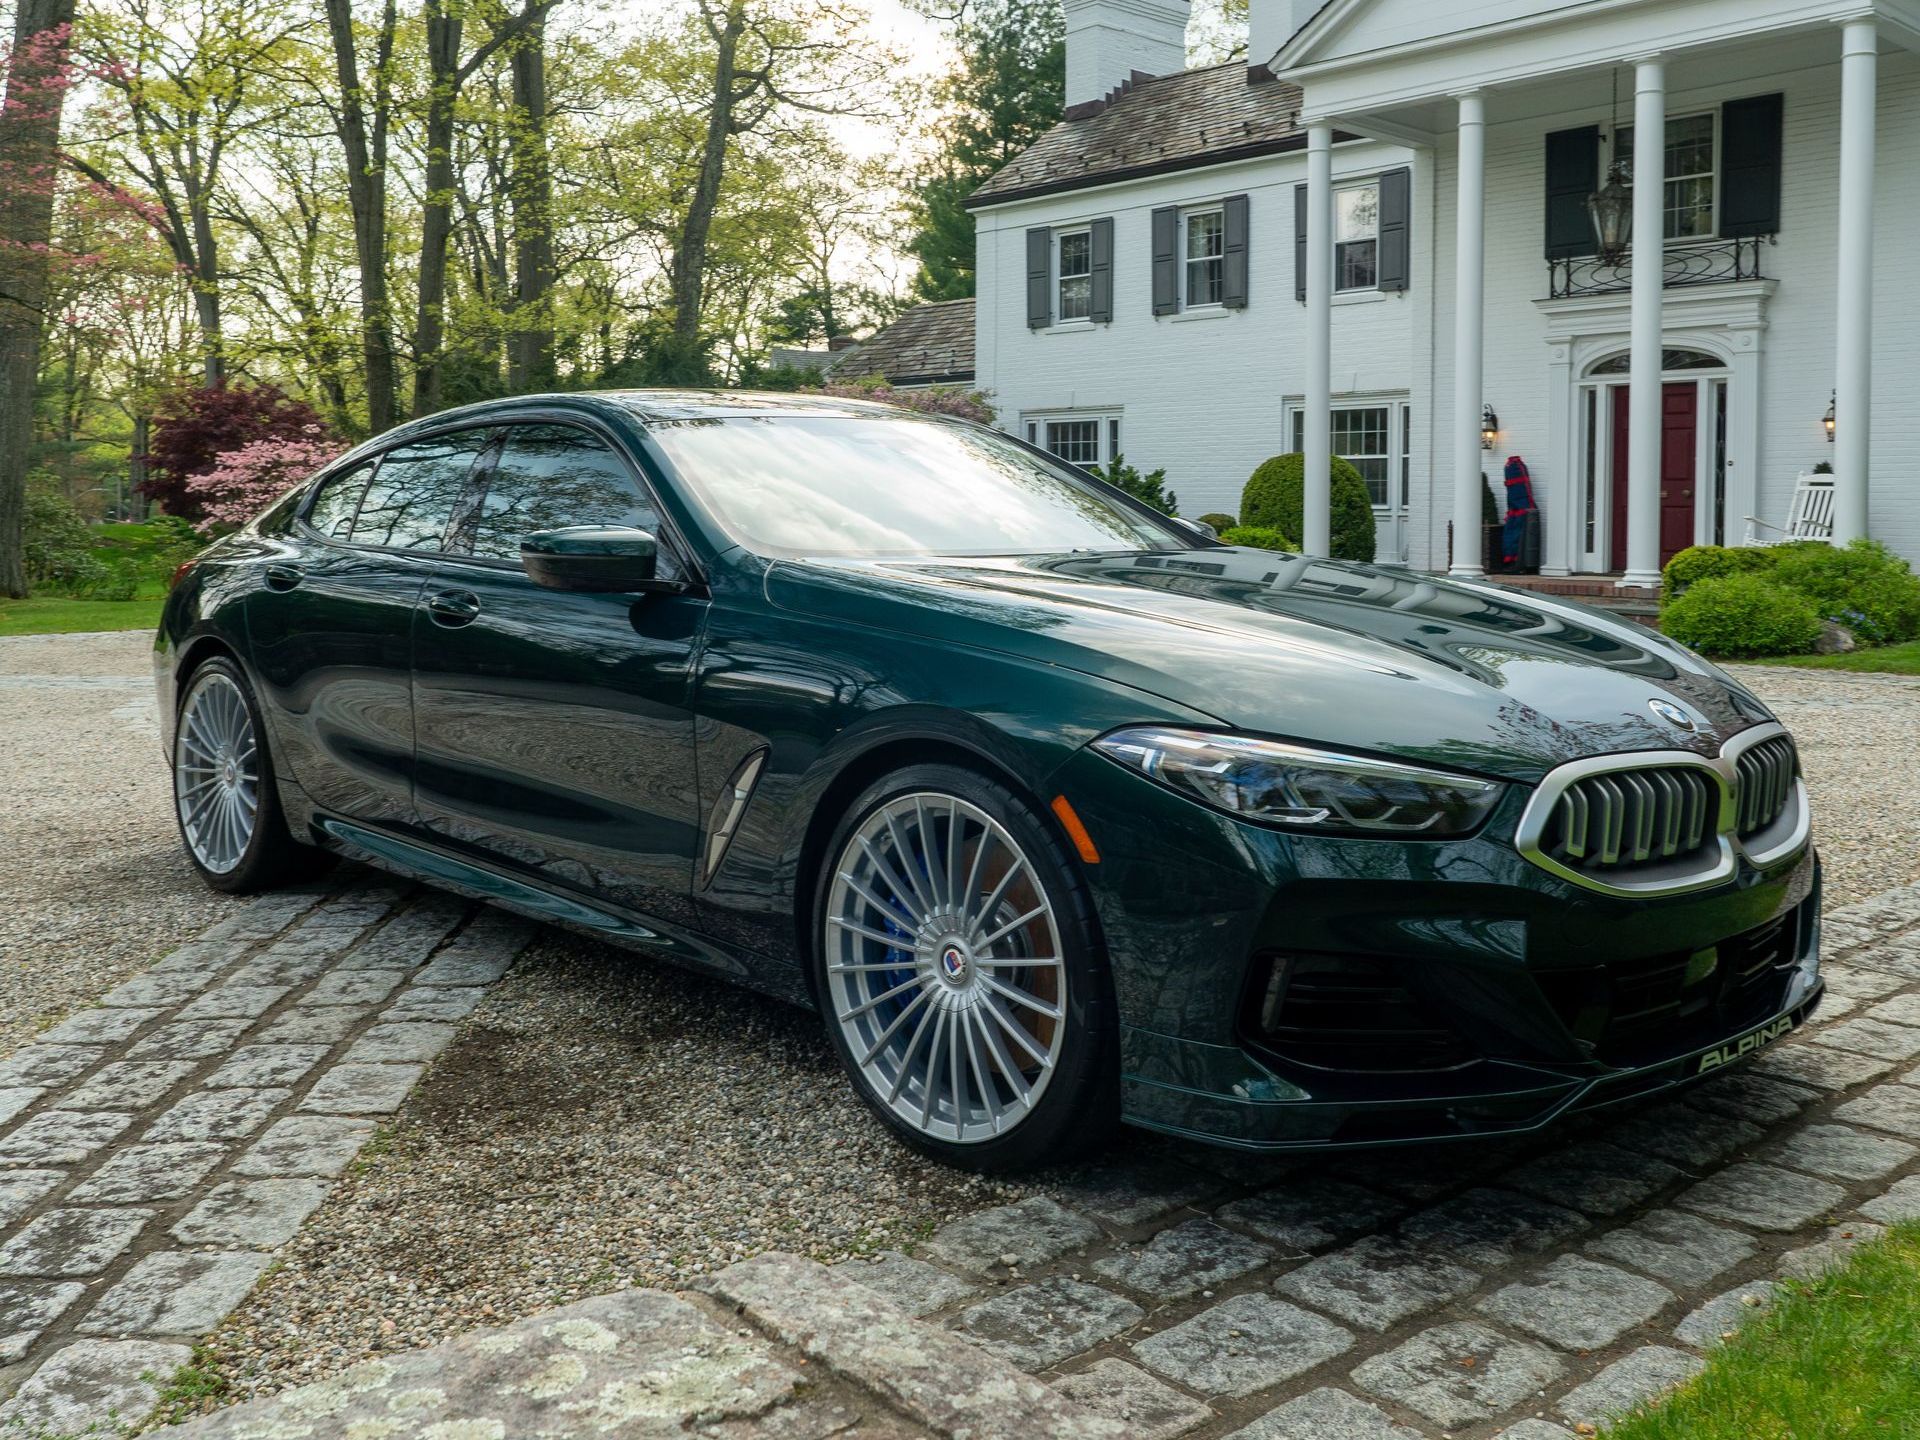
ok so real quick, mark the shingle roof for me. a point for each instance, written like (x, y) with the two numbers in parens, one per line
(1152, 125)
(928, 344)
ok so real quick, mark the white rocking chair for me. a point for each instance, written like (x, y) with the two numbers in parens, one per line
(1809, 518)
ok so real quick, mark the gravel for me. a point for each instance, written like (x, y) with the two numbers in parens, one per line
(94, 886)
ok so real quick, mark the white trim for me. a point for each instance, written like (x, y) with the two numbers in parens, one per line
(1034, 423)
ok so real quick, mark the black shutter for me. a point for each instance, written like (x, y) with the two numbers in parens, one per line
(1300, 243)
(1234, 212)
(1573, 174)
(1100, 308)
(1166, 261)
(1396, 227)
(1750, 166)
(1039, 278)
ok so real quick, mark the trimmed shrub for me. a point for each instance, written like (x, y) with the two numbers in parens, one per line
(1274, 500)
(1864, 586)
(1260, 537)
(1149, 489)
(1219, 522)
(1742, 615)
(1708, 562)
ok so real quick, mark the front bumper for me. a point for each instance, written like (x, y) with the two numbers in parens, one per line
(1495, 948)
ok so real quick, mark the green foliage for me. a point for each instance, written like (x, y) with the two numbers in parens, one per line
(1864, 586)
(57, 538)
(57, 615)
(1149, 489)
(1260, 537)
(1005, 95)
(1742, 615)
(1492, 512)
(1705, 562)
(1218, 521)
(1876, 660)
(1274, 499)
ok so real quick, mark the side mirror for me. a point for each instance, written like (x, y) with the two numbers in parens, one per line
(602, 558)
(1202, 526)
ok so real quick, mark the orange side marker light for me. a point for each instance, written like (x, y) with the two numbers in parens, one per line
(1076, 832)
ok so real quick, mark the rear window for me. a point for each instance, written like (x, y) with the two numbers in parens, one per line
(408, 501)
(338, 500)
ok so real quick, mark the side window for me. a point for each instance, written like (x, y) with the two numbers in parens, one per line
(414, 493)
(336, 501)
(551, 476)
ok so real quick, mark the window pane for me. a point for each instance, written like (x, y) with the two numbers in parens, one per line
(1690, 145)
(1355, 265)
(1356, 213)
(1689, 174)
(1076, 297)
(338, 498)
(1690, 207)
(1360, 437)
(1206, 235)
(415, 490)
(905, 485)
(1076, 254)
(1075, 441)
(551, 476)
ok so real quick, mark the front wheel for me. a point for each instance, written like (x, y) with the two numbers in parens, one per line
(961, 972)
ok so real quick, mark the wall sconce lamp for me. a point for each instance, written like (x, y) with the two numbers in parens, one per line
(1827, 419)
(1490, 427)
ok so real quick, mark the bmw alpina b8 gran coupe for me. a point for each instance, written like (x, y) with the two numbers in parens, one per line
(1058, 810)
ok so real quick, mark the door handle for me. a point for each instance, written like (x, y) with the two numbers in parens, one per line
(453, 608)
(283, 577)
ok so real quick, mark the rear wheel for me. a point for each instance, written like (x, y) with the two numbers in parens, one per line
(223, 787)
(961, 974)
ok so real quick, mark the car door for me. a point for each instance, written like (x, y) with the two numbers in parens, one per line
(331, 627)
(555, 730)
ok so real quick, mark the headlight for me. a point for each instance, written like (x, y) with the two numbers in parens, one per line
(1304, 789)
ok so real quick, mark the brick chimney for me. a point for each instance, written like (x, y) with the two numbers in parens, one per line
(1108, 40)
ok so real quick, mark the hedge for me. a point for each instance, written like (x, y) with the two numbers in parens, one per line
(1274, 499)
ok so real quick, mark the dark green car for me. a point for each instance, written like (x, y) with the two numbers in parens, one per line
(1057, 809)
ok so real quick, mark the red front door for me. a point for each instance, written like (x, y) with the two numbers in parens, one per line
(1679, 420)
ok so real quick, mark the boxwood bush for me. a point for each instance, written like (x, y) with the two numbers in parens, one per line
(1218, 521)
(1260, 537)
(1274, 499)
(1706, 562)
(1863, 585)
(1742, 615)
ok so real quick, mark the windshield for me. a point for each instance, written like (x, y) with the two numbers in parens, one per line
(881, 485)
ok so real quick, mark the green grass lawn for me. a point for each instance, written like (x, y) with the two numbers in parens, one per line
(54, 615)
(1835, 1360)
(1883, 660)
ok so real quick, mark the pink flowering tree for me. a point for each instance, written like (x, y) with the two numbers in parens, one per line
(245, 481)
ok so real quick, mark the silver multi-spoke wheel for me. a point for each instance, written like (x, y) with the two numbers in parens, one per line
(945, 967)
(216, 772)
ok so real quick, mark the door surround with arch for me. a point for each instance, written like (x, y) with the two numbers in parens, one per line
(1713, 337)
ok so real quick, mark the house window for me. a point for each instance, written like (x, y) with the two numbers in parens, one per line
(1356, 237)
(1690, 174)
(1079, 437)
(1074, 266)
(1206, 256)
(1363, 436)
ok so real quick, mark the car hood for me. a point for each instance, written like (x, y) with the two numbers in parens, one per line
(1466, 674)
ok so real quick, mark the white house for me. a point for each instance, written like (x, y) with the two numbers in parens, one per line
(1784, 136)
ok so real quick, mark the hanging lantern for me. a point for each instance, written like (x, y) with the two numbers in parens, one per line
(1828, 419)
(1612, 210)
(1489, 427)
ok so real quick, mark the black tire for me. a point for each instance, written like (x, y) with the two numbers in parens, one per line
(271, 856)
(1077, 1110)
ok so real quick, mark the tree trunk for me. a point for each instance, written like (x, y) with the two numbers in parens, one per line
(530, 363)
(365, 147)
(137, 468)
(36, 86)
(436, 212)
(690, 255)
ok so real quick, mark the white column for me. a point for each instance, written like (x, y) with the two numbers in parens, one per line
(1469, 327)
(1853, 367)
(1317, 441)
(1649, 278)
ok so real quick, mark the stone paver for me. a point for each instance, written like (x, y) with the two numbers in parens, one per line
(1686, 1136)
(1671, 1245)
(1035, 1326)
(1893, 1108)
(126, 1085)
(1326, 1414)
(100, 1026)
(1027, 1233)
(1593, 1176)
(418, 1002)
(235, 1001)
(310, 1027)
(1900, 1202)
(27, 1308)
(1536, 1430)
(1130, 1191)
(1458, 1374)
(1833, 1249)
(21, 1190)
(319, 1145)
(266, 1066)
(418, 1042)
(1376, 1282)
(197, 1041)
(1128, 1394)
(257, 1213)
(1185, 1260)
(1313, 1214)
(1756, 1097)
(48, 1064)
(92, 1387)
(16, 1098)
(136, 1174)
(217, 1114)
(913, 1285)
(1819, 1066)
(158, 987)
(1839, 1152)
(1649, 1371)
(1241, 1345)
(1713, 1323)
(362, 1089)
(1491, 1228)
(1873, 1037)
(354, 987)
(1903, 1010)
(1763, 1196)
(175, 1293)
(71, 1243)
(1577, 1304)
(61, 1137)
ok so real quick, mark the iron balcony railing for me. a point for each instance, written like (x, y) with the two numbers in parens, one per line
(1715, 262)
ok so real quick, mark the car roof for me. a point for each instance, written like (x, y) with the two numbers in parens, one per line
(656, 406)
